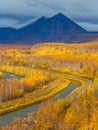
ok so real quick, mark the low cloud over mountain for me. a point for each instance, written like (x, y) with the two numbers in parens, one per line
(20, 11)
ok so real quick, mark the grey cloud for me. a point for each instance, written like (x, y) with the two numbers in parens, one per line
(89, 26)
(8, 22)
(47, 7)
(81, 11)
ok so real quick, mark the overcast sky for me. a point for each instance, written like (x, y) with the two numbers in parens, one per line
(16, 13)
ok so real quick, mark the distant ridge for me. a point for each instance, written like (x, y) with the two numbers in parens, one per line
(58, 28)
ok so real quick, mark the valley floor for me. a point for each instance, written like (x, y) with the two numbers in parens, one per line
(43, 71)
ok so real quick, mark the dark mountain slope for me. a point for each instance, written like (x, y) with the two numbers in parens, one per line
(58, 28)
(5, 33)
(50, 28)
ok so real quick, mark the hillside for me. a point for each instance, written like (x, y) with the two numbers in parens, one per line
(58, 28)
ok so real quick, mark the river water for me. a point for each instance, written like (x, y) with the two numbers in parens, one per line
(7, 118)
(10, 76)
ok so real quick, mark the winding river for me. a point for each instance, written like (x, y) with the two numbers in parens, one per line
(7, 118)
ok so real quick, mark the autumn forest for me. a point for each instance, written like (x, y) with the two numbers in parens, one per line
(55, 84)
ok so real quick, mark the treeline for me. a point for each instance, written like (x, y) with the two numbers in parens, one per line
(14, 88)
(81, 58)
(81, 114)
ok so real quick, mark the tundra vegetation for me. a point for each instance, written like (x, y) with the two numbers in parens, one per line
(37, 65)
